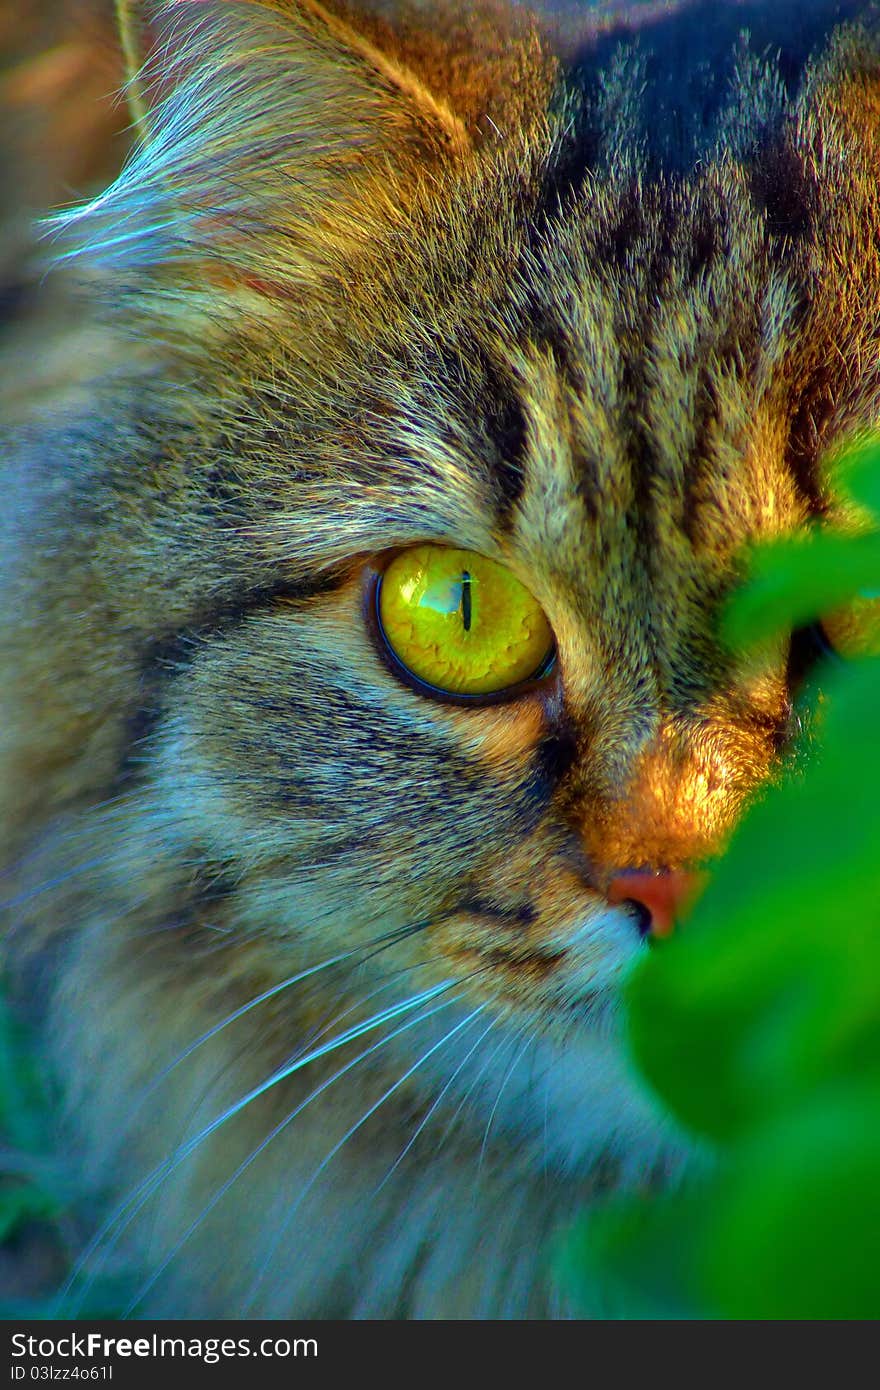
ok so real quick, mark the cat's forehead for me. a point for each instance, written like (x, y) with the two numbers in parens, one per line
(649, 367)
(603, 401)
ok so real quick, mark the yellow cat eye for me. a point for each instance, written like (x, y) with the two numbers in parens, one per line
(461, 623)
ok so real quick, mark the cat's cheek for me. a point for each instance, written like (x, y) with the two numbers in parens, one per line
(500, 738)
(291, 741)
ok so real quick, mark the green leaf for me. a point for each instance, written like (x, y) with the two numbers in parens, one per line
(774, 984)
(635, 1258)
(795, 1231)
(792, 582)
(857, 472)
(759, 1023)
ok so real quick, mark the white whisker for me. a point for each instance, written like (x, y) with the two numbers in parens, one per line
(438, 1101)
(504, 1042)
(362, 953)
(508, 1074)
(266, 1141)
(134, 1202)
(285, 1225)
(235, 1015)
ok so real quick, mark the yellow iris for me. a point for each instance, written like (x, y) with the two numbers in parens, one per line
(460, 622)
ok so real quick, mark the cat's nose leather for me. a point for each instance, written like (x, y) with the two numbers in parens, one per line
(663, 895)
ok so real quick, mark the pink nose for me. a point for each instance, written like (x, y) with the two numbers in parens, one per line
(663, 896)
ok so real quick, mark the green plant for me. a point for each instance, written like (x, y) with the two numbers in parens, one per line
(759, 1024)
(32, 1202)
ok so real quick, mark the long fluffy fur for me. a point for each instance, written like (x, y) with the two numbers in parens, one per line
(379, 288)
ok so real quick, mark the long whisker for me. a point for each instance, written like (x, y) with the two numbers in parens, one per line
(267, 1140)
(344, 1140)
(314, 1036)
(126, 1121)
(438, 1101)
(235, 1016)
(382, 944)
(503, 1043)
(377, 945)
(134, 1202)
(333, 1021)
(509, 1073)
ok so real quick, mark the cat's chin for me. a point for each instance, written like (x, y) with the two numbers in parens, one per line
(563, 1092)
(566, 1104)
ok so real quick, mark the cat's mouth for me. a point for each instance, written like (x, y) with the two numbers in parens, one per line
(561, 953)
(552, 966)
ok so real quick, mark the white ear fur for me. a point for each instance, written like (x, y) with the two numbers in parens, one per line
(139, 23)
(278, 145)
(259, 123)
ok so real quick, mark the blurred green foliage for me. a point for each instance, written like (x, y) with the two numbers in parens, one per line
(38, 1239)
(32, 1201)
(759, 1024)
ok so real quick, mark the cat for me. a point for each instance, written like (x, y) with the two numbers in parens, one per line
(364, 714)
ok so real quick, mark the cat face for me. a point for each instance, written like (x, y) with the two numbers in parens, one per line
(374, 315)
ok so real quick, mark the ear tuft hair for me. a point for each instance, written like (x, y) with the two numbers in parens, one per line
(277, 138)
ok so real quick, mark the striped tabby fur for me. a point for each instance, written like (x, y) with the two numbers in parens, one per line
(326, 968)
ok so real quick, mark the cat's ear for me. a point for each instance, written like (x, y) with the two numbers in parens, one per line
(412, 63)
(274, 134)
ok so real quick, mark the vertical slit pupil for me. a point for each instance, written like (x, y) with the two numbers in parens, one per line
(466, 600)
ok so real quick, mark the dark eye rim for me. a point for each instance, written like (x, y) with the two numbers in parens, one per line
(546, 675)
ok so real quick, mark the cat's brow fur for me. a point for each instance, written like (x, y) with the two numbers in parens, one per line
(379, 287)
